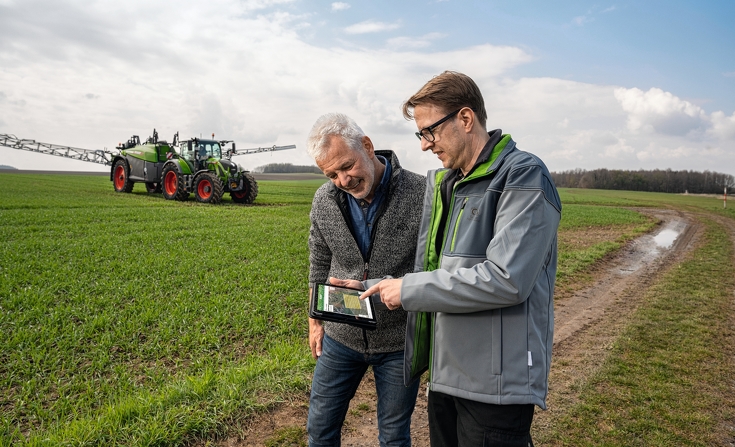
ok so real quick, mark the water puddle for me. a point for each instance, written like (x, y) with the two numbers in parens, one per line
(648, 248)
(666, 238)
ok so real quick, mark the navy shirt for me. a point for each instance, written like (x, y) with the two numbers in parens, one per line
(363, 213)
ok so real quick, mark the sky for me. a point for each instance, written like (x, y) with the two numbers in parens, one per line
(583, 85)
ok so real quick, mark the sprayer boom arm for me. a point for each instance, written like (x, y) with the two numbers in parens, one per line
(257, 150)
(103, 157)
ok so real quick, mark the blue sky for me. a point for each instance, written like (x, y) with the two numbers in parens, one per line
(625, 85)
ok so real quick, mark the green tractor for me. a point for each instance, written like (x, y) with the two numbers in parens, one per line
(200, 166)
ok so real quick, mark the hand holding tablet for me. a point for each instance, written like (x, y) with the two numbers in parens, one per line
(342, 305)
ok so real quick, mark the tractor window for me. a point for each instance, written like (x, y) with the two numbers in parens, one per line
(209, 149)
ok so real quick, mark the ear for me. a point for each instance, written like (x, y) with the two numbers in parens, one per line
(467, 118)
(367, 144)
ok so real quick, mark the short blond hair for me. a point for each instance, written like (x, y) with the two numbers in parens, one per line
(449, 91)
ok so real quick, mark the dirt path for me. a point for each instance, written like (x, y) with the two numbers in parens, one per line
(586, 324)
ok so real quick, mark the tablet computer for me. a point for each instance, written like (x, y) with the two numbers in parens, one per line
(342, 305)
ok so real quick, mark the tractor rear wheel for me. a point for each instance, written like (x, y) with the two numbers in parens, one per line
(153, 187)
(249, 191)
(173, 187)
(120, 179)
(208, 188)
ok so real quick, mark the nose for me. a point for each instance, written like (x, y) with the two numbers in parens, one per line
(344, 179)
(426, 145)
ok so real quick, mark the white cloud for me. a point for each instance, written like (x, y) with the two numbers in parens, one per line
(723, 127)
(244, 72)
(656, 153)
(620, 149)
(413, 43)
(340, 6)
(581, 20)
(371, 26)
(589, 17)
(660, 111)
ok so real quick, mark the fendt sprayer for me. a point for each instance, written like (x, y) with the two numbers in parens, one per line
(199, 166)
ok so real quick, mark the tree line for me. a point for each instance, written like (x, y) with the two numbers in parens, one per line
(286, 168)
(692, 182)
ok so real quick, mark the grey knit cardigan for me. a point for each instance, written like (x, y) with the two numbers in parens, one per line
(334, 252)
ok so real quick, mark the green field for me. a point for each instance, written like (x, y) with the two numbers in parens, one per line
(131, 320)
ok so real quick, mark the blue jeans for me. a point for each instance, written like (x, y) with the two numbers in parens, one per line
(338, 373)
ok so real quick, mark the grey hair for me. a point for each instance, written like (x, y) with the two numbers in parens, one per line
(333, 124)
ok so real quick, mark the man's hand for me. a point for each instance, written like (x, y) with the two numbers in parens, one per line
(349, 283)
(389, 290)
(316, 335)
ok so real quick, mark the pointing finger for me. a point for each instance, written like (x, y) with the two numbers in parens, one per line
(371, 291)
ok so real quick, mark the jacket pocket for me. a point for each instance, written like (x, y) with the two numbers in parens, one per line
(417, 355)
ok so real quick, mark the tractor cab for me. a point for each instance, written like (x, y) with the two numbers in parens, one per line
(197, 152)
(209, 149)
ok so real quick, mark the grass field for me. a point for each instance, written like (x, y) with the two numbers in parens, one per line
(131, 320)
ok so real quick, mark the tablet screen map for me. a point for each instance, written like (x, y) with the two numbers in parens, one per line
(342, 301)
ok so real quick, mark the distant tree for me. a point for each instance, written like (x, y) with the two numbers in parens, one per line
(8, 167)
(706, 182)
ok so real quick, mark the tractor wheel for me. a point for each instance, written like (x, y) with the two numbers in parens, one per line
(153, 187)
(208, 188)
(248, 193)
(120, 179)
(173, 184)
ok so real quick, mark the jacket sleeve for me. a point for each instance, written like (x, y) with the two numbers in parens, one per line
(524, 236)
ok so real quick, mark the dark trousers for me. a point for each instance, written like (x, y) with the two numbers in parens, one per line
(457, 422)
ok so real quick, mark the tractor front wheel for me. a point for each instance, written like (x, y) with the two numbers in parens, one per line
(208, 188)
(248, 192)
(120, 179)
(173, 187)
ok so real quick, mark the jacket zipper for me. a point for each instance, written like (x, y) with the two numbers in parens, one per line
(449, 216)
(364, 277)
(381, 211)
(456, 224)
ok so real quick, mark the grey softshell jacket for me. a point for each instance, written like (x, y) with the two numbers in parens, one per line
(481, 305)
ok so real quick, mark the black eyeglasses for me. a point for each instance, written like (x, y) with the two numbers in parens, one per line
(428, 132)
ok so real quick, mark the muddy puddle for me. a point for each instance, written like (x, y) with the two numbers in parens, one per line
(649, 247)
(633, 264)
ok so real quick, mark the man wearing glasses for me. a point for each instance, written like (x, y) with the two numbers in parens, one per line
(481, 303)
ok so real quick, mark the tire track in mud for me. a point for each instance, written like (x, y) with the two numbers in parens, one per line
(624, 276)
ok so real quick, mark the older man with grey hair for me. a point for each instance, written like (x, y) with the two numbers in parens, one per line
(364, 224)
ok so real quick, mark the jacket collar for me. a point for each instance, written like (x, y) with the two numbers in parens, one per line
(489, 159)
(493, 155)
